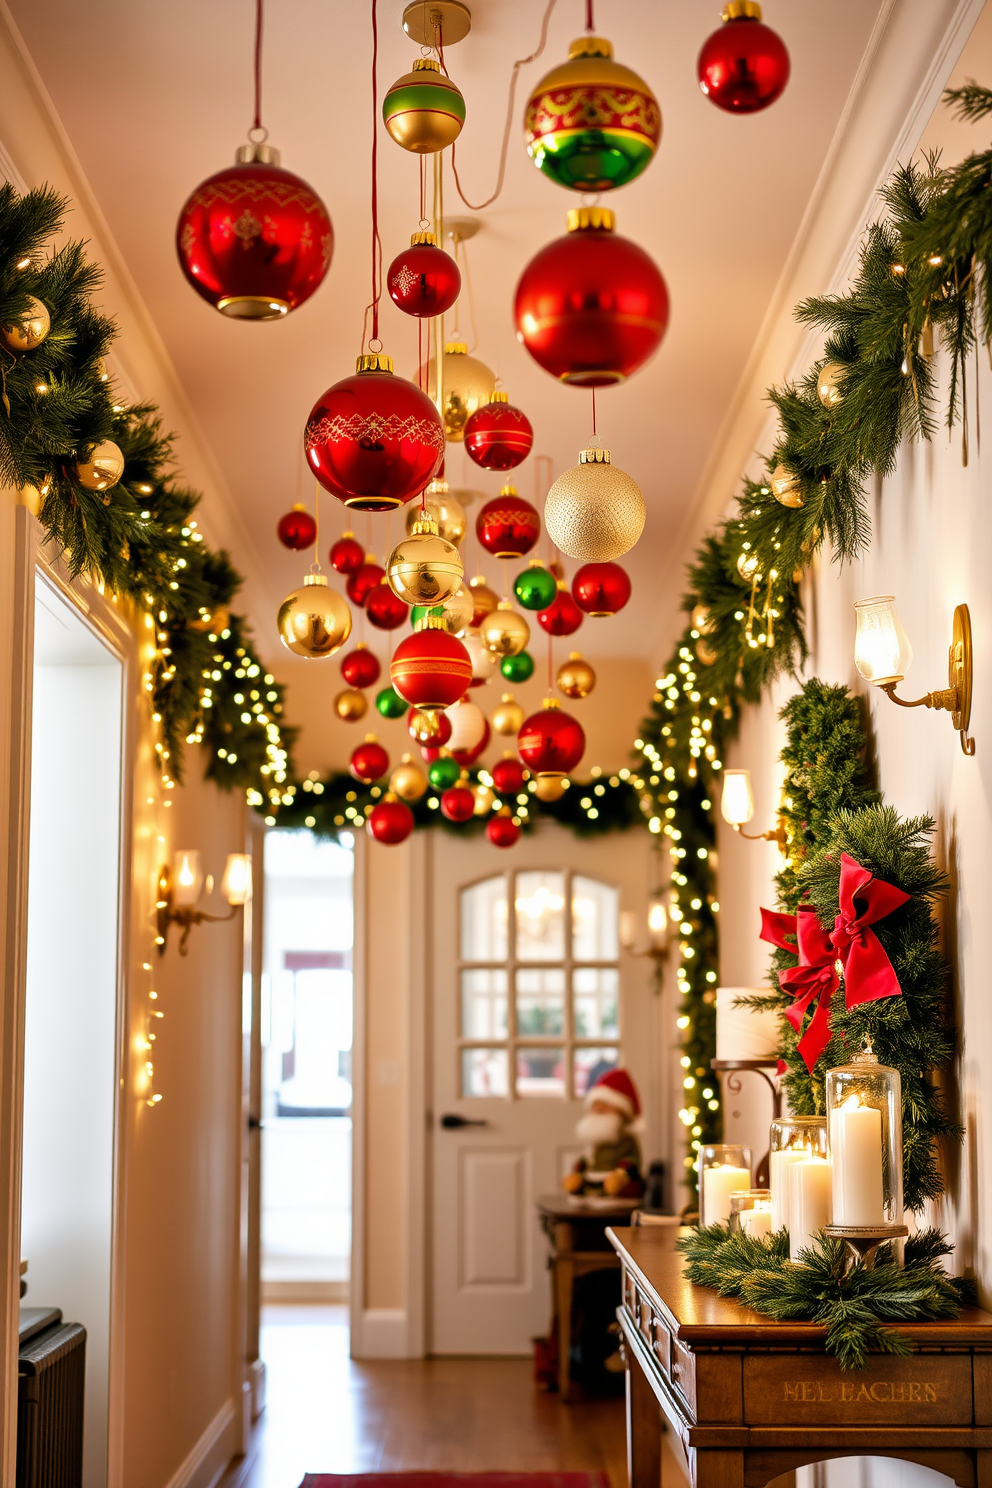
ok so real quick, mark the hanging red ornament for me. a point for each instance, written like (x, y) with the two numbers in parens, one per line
(360, 668)
(591, 307)
(369, 761)
(347, 554)
(390, 821)
(563, 617)
(509, 775)
(423, 280)
(744, 66)
(374, 440)
(498, 436)
(601, 588)
(362, 580)
(254, 240)
(297, 529)
(386, 611)
(551, 742)
(458, 804)
(431, 729)
(508, 526)
(431, 669)
(502, 830)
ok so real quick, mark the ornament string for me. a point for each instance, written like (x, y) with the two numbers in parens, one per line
(590, 23)
(315, 565)
(376, 241)
(595, 431)
(257, 124)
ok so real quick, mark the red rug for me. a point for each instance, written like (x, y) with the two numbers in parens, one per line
(458, 1480)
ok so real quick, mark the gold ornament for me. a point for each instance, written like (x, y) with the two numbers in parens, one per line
(483, 660)
(747, 567)
(829, 384)
(215, 620)
(702, 621)
(424, 725)
(407, 781)
(576, 678)
(706, 653)
(29, 331)
(443, 506)
(351, 705)
(595, 511)
(458, 611)
(314, 621)
(484, 800)
(505, 632)
(509, 716)
(550, 787)
(484, 598)
(467, 385)
(424, 110)
(466, 496)
(102, 468)
(424, 569)
(785, 487)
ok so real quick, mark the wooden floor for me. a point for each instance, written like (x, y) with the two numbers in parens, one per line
(326, 1413)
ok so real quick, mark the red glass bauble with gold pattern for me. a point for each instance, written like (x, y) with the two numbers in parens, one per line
(362, 580)
(390, 821)
(601, 588)
(423, 280)
(509, 775)
(254, 240)
(369, 761)
(502, 830)
(498, 436)
(591, 307)
(458, 804)
(297, 529)
(360, 668)
(374, 440)
(430, 729)
(551, 742)
(431, 668)
(563, 617)
(508, 526)
(347, 554)
(744, 66)
(386, 611)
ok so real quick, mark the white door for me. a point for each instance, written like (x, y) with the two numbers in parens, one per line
(532, 998)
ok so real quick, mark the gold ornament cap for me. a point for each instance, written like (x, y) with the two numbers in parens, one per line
(426, 64)
(425, 524)
(456, 348)
(741, 10)
(374, 361)
(498, 396)
(508, 490)
(430, 622)
(591, 219)
(312, 579)
(590, 46)
(419, 238)
(257, 154)
(594, 456)
(550, 702)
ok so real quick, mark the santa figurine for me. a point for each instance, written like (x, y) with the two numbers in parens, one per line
(611, 1163)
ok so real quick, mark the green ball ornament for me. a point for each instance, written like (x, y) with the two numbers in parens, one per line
(390, 704)
(423, 110)
(520, 667)
(443, 773)
(535, 588)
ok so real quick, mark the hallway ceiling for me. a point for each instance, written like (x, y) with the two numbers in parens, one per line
(156, 97)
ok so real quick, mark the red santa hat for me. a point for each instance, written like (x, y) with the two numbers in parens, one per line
(617, 1089)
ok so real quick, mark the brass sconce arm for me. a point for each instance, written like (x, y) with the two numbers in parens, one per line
(184, 915)
(776, 834)
(956, 697)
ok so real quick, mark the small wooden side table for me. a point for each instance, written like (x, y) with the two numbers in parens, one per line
(751, 1399)
(577, 1231)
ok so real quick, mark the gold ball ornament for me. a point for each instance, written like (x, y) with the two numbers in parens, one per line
(458, 611)
(830, 384)
(702, 621)
(505, 632)
(484, 599)
(467, 385)
(424, 569)
(484, 800)
(102, 468)
(407, 780)
(706, 653)
(423, 110)
(785, 487)
(442, 506)
(550, 787)
(29, 331)
(314, 621)
(595, 511)
(424, 725)
(483, 660)
(508, 718)
(576, 678)
(747, 567)
(351, 705)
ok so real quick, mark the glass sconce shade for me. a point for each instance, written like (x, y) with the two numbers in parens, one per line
(658, 923)
(236, 884)
(882, 653)
(627, 929)
(187, 878)
(737, 802)
(793, 1139)
(864, 1125)
(723, 1170)
(751, 1213)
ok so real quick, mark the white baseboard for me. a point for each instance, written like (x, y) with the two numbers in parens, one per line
(382, 1334)
(209, 1458)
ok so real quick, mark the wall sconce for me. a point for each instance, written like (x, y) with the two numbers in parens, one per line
(737, 806)
(658, 931)
(179, 892)
(883, 655)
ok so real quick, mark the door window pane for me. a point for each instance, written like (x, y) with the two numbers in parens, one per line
(540, 1001)
(540, 906)
(484, 920)
(590, 1064)
(595, 909)
(596, 1001)
(541, 1072)
(485, 1072)
(484, 1003)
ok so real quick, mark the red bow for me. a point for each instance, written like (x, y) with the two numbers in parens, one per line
(868, 972)
(814, 979)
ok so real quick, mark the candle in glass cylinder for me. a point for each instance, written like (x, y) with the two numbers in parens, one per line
(779, 1165)
(718, 1183)
(809, 1200)
(856, 1151)
(757, 1222)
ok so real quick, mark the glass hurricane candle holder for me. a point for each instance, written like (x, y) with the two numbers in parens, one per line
(864, 1124)
(751, 1213)
(724, 1169)
(793, 1138)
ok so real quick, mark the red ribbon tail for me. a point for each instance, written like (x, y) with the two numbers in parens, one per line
(817, 1036)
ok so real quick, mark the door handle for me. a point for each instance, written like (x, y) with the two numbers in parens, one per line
(451, 1121)
(254, 1124)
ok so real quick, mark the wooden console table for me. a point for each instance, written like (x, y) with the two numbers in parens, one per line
(751, 1399)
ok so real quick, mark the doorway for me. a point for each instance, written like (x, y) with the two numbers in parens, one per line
(72, 1038)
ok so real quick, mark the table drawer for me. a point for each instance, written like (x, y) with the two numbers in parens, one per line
(683, 1370)
(661, 1345)
(811, 1390)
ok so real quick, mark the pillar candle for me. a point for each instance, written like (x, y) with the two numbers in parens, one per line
(779, 1165)
(856, 1153)
(718, 1184)
(809, 1201)
(756, 1222)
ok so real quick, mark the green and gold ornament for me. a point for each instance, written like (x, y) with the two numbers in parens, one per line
(592, 123)
(423, 110)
